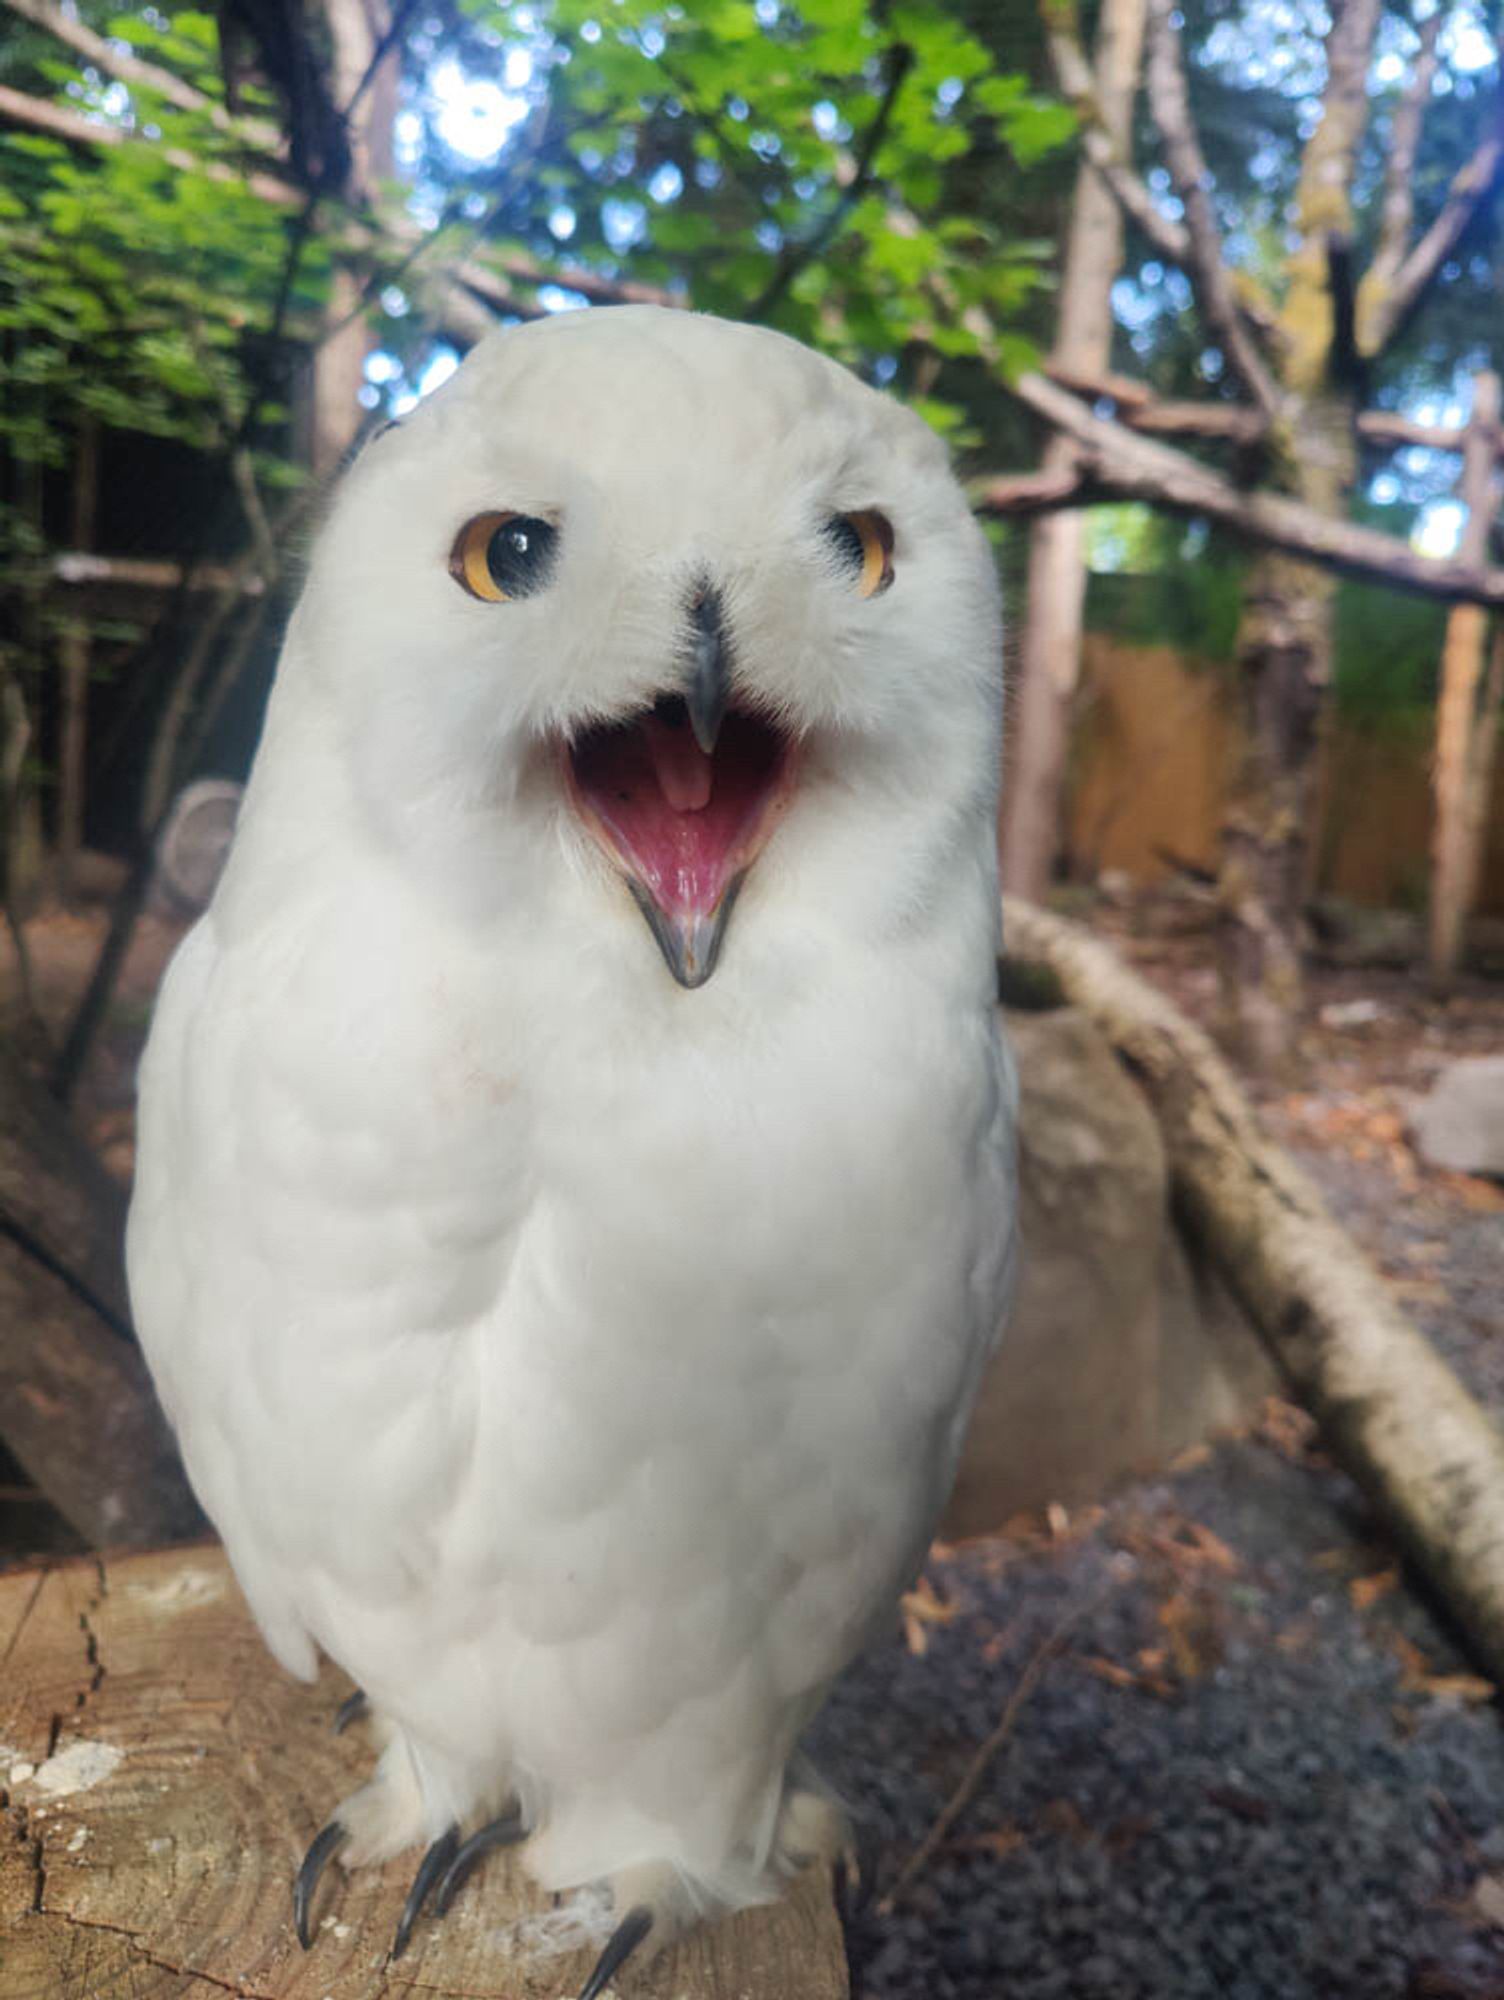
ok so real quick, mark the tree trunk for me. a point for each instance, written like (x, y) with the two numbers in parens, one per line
(356, 28)
(1285, 646)
(1050, 658)
(1430, 1457)
(1466, 725)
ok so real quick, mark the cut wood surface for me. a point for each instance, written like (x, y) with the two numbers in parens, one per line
(1428, 1454)
(161, 1778)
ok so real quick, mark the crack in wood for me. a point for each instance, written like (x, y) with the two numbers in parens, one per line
(142, 1950)
(27, 1609)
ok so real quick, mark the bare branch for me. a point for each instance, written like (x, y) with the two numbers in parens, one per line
(146, 573)
(1170, 102)
(1473, 183)
(118, 61)
(1398, 212)
(1115, 464)
(897, 62)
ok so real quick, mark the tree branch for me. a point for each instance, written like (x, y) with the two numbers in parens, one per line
(1170, 102)
(1114, 464)
(1398, 212)
(897, 62)
(256, 134)
(1389, 312)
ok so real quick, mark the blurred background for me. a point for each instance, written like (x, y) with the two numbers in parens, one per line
(1206, 300)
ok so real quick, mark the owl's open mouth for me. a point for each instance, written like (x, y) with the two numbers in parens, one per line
(682, 822)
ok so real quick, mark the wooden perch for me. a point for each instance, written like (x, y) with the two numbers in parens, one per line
(162, 1778)
(1430, 1457)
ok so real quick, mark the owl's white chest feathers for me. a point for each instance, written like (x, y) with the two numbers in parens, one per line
(585, 1385)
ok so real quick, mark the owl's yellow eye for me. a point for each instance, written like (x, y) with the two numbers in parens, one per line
(863, 543)
(500, 556)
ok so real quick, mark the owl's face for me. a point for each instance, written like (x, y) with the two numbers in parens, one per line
(640, 590)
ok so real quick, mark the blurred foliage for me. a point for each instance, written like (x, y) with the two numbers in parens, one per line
(791, 163)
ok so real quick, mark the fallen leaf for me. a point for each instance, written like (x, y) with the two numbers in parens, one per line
(1365, 1591)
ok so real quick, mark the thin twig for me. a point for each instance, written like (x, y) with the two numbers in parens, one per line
(976, 1770)
(897, 63)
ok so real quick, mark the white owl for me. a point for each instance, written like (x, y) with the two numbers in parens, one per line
(569, 1320)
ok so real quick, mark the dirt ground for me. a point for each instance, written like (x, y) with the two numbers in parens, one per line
(1214, 1739)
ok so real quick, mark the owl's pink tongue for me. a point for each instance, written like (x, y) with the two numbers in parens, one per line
(685, 823)
(683, 769)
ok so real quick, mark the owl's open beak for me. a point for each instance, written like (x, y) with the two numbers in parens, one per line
(683, 797)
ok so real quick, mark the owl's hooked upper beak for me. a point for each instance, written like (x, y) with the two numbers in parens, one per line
(684, 795)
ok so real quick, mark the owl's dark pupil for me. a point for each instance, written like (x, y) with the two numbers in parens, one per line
(520, 555)
(846, 541)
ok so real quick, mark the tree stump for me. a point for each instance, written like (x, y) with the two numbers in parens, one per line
(160, 1778)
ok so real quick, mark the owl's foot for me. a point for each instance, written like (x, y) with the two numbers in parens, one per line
(619, 1947)
(505, 1831)
(383, 1817)
(354, 1708)
(812, 1827)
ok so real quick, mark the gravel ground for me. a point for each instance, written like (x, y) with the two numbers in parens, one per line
(1230, 1781)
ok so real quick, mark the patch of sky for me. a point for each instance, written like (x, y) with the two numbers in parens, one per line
(884, 368)
(769, 235)
(827, 121)
(766, 145)
(949, 94)
(623, 223)
(382, 367)
(437, 368)
(666, 183)
(590, 31)
(1438, 528)
(394, 302)
(765, 13)
(475, 115)
(739, 109)
(707, 173)
(652, 41)
(562, 222)
(1466, 43)
(556, 299)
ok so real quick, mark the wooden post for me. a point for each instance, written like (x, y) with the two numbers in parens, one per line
(1466, 726)
(160, 1779)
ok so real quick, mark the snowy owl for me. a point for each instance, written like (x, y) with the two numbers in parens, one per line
(574, 1199)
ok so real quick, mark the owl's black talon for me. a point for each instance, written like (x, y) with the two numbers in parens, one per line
(621, 1944)
(504, 1831)
(326, 1844)
(354, 1708)
(434, 1863)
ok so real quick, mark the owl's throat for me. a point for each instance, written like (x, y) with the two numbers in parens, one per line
(682, 823)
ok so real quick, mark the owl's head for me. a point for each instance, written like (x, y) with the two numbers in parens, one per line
(651, 591)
